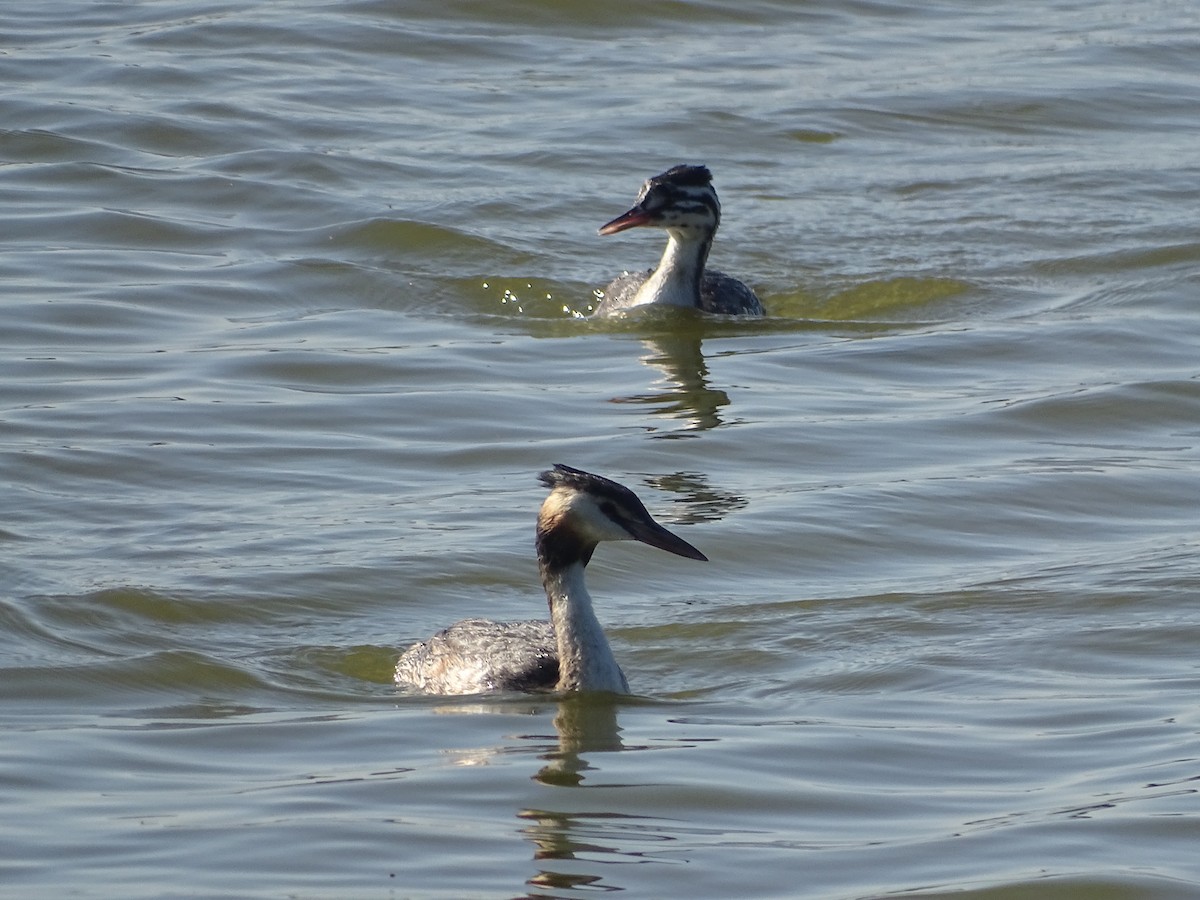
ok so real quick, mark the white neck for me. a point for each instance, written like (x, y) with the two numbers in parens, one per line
(585, 660)
(677, 279)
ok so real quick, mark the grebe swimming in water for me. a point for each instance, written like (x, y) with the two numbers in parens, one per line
(682, 201)
(570, 652)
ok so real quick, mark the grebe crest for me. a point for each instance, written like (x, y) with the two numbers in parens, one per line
(683, 202)
(570, 652)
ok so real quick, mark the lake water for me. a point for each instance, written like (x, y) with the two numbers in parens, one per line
(290, 322)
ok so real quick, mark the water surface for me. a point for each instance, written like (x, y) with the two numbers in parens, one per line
(292, 318)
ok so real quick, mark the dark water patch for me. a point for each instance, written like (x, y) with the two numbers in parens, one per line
(1125, 261)
(897, 298)
(118, 683)
(1042, 885)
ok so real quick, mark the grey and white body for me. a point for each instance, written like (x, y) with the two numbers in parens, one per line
(570, 652)
(683, 202)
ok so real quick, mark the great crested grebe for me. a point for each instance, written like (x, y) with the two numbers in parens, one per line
(570, 652)
(682, 201)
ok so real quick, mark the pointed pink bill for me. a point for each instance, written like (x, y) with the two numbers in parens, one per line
(631, 219)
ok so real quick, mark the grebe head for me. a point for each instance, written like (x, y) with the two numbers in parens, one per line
(584, 509)
(681, 200)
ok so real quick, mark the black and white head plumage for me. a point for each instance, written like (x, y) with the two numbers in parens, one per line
(604, 490)
(584, 509)
(681, 197)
